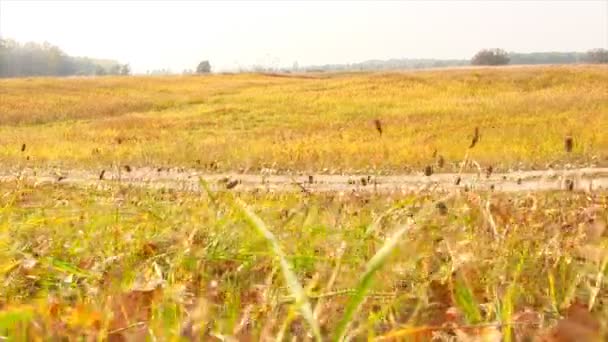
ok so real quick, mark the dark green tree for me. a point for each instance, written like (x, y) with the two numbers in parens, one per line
(491, 57)
(203, 67)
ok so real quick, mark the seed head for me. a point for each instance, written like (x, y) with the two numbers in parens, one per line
(378, 126)
(569, 184)
(440, 161)
(475, 139)
(428, 170)
(442, 208)
(232, 184)
(489, 171)
(568, 143)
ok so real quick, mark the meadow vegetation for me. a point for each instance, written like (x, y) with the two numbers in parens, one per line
(316, 123)
(124, 263)
(104, 260)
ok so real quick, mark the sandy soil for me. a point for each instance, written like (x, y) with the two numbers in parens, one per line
(585, 179)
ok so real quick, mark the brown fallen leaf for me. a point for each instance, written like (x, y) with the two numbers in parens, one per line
(131, 313)
(578, 325)
(526, 324)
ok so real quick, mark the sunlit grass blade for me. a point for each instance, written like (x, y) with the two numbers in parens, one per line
(466, 301)
(507, 304)
(373, 265)
(296, 289)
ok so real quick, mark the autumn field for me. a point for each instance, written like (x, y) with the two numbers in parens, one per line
(315, 123)
(108, 259)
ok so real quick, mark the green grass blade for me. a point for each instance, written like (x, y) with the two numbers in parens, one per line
(296, 289)
(466, 301)
(508, 303)
(373, 265)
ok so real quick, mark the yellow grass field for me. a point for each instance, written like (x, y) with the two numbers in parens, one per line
(103, 259)
(317, 123)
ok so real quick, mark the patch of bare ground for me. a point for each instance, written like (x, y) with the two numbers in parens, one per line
(583, 179)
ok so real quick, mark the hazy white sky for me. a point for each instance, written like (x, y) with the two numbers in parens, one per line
(177, 35)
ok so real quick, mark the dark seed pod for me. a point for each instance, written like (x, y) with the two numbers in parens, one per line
(127, 168)
(103, 172)
(489, 171)
(232, 184)
(60, 178)
(569, 185)
(440, 161)
(310, 179)
(23, 148)
(378, 126)
(458, 179)
(442, 208)
(475, 139)
(363, 181)
(568, 144)
(428, 170)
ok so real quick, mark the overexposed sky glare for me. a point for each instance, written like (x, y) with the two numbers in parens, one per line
(178, 34)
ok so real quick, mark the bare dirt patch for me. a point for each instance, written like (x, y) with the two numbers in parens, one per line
(584, 179)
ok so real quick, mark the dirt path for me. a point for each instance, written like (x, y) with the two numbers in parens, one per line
(586, 179)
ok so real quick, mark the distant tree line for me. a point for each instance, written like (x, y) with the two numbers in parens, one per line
(501, 57)
(483, 57)
(389, 64)
(34, 59)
